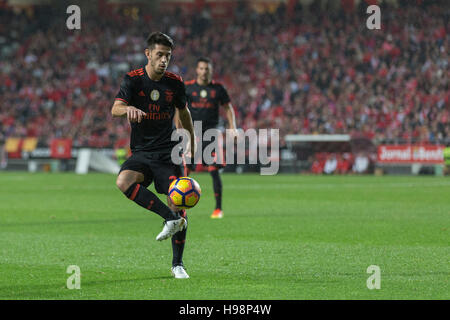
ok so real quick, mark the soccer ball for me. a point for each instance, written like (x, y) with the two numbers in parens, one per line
(184, 192)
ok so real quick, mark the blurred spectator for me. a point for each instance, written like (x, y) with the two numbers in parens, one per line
(344, 163)
(317, 167)
(330, 164)
(3, 153)
(361, 164)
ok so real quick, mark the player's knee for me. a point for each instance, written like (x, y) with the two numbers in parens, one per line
(122, 183)
(213, 171)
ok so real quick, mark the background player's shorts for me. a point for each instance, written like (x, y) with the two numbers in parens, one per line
(156, 167)
(218, 157)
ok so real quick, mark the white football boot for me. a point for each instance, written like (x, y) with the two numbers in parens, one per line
(179, 273)
(171, 227)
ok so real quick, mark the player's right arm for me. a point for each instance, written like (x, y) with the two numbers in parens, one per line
(121, 109)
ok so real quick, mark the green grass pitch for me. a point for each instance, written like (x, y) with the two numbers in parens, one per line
(282, 237)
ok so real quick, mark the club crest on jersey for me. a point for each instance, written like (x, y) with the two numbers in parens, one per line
(213, 93)
(203, 93)
(154, 95)
(169, 95)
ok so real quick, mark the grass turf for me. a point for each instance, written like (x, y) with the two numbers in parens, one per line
(282, 237)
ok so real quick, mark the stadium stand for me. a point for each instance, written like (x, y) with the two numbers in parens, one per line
(306, 70)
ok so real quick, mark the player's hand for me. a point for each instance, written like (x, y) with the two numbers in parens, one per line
(232, 132)
(172, 206)
(134, 114)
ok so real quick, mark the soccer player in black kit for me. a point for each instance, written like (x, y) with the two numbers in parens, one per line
(205, 97)
(150, 97)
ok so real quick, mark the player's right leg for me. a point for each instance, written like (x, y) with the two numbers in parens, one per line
(129, 182)
(134, 183)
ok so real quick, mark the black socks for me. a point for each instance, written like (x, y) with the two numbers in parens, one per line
(148, 200)
(217, 186)
(178, 240)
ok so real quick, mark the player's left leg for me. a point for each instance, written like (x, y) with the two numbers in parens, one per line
(178, 241)
(219, 162)
(217, 187)
(166, 173)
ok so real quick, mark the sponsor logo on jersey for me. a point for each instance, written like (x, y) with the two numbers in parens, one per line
(203, 93)
(169, 95)
(154, 95)
(155, 113)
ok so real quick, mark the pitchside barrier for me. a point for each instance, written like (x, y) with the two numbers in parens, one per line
(65, 158)
(80, 160)
(328, 153)
(411, 159)
(319, 154)
(323, 154)
(85, 160)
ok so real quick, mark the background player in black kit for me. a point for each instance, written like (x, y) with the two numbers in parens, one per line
(205, 97)
(150, 97)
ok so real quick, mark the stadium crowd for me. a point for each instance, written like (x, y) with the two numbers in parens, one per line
(304, 71)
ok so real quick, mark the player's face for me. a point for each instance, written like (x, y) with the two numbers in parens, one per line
(204, 71)
(159, 58)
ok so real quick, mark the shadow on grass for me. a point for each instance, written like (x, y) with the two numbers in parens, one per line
(57, 222)
(89, 289)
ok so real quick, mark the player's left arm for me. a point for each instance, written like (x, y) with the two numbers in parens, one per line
(185, 119)
(231, 118)
(225, 100)
(176, 120)
(183, 116)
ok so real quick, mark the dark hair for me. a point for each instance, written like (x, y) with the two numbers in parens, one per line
(204, 59)
(159, 38)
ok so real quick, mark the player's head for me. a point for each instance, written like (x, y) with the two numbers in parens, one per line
(204, 69)
(159, 51)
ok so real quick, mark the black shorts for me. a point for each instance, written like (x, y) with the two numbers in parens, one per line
(157, 167)
(219, 157)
